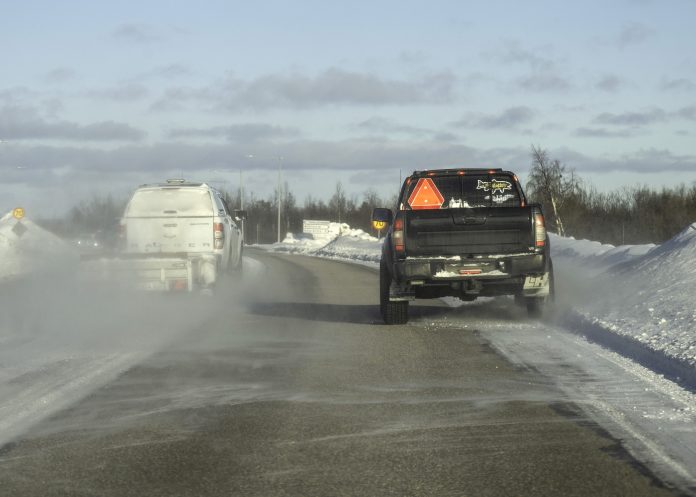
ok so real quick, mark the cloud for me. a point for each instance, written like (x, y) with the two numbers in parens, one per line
(544, 73)
(646, 117)
(388, 126)
(545, 83)
(514, 53)
(602, 133)
(135, 33)
(23, 123)
(610, 83)
(241, 133)
(172, 71)
(59, 75)
(335, 86)
(643, 161)
(688, 113)
(11, 96)
(331, 87)
(679, 84)
(373, 162)
(125, 92)
(634, 34)
(507, 119)
(643, 118)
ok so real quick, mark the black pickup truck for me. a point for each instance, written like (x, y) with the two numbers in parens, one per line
(464, 233)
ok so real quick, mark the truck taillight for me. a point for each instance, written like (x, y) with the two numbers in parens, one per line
(398, 234)
(219, 235)
(539, 229)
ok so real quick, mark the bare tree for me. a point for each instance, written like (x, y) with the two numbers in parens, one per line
(550, 183)
(338, 201)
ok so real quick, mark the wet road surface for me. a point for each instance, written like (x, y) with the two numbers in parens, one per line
(292, 386)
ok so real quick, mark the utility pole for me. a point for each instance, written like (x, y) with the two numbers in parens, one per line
(280, 192)
(241, 203)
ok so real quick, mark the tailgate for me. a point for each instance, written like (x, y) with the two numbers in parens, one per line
(169, 234)
(154, 273)
(438, 232)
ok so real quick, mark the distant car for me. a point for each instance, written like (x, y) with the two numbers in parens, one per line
(178, 224)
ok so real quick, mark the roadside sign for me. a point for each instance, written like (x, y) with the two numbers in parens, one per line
(425, 195)
(378, 225)
(314, 227)
(18, 212)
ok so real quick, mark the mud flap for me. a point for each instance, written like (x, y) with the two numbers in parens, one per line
(400, 294)
(536, 286)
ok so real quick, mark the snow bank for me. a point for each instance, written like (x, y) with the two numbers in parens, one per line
(597, 255)
(343, 242)
(25, 247)
(644, 292)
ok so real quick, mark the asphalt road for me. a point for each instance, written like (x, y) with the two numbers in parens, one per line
(290, 385)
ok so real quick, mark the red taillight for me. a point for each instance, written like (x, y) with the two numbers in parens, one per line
(219, 235)
(539, 229)
(398, 234)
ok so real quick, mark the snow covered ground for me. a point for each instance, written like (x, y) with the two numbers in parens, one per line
(643, 292)
(342, 242)
(25, 247)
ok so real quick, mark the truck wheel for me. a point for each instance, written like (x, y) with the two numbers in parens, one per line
(237, 268)
(536, 307)
(392, 312)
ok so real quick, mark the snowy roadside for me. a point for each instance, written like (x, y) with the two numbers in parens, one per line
(641, 293)
(644, 293)
(342, 243)
(27, 248)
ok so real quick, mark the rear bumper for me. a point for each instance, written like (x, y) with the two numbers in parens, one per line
(170, 272)
(479, 267)
(506, 274)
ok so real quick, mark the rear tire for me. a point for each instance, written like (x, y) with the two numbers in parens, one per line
(237, 269)
(538, 306)
(392, 312)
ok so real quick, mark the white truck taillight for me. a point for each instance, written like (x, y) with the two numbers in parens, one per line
(398, 234)
(539, 228)
(219, 235)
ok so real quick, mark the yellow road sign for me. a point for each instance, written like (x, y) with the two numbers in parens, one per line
(18, 213)
(378, 225)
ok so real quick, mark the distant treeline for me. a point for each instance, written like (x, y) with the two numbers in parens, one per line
(631, 215)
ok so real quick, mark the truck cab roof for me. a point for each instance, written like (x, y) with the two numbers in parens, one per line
(461, 170)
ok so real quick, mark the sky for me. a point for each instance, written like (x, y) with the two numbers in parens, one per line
(99, 97)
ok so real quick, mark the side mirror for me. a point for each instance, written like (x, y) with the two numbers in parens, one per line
(240, 214)
(382, 215)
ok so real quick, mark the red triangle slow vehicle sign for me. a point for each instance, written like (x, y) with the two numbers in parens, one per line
(425, 195)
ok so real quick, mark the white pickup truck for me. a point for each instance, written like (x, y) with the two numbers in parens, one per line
(176, 236)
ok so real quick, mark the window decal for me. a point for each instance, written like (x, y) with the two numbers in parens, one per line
(496, 185)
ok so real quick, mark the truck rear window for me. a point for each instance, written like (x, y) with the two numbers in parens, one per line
(462, 192)
(170, 202)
